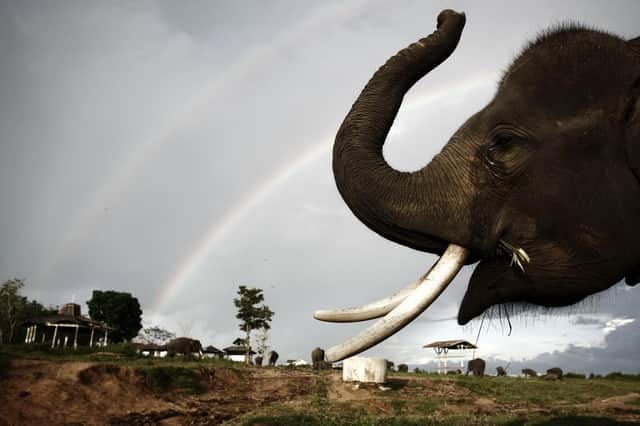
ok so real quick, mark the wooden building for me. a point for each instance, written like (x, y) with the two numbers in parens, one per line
(67, 328)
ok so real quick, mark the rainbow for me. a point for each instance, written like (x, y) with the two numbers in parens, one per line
(179, 118)
(219, 228)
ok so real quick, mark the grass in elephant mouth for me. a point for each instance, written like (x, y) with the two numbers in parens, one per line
(519, 257)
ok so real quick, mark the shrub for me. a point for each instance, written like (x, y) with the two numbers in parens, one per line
(616, 375)
(575, 376)
(165, 378)
(129, 350)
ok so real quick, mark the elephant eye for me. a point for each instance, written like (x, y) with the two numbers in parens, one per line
(507, 151)
(500, 144)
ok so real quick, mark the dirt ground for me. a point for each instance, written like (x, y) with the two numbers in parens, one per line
(80, 393)
(83, 393)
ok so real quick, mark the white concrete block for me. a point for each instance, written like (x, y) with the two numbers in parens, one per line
(366, 370)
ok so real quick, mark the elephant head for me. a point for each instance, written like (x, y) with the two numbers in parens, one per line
(541, 187)
(196, 347)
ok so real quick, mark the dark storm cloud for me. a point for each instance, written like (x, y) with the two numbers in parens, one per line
(618, 353)
(582, 320)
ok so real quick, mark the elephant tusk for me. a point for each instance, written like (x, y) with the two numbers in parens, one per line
(373, 310)
(430, 287)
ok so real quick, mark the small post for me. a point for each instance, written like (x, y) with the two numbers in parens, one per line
(55, 333)
(91, 339)
(106, 335)
(75, 338)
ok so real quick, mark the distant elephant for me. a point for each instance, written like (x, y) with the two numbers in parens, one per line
(258, 361)
(557, 371)
(541, 187)
(185, 346)
(272, 357)
(317, 358)
(501, 372)
(528, 372)
(476, 366)
(403, 368)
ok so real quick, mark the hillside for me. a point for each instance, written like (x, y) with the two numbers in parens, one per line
(38, 392)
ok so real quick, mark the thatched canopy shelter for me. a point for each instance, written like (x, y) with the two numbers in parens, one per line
(442, 348)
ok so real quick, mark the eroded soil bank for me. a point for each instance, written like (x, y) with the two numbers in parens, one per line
(86, 393)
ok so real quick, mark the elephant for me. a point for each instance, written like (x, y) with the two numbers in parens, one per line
(272, 357)
(501, 372)
(185, 346)
(317, 358)
(476, 366)
(528, 372)
(403, 368)
(515, 190)
(556, 371)
(258, 361)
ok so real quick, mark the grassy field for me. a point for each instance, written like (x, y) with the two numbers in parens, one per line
(211, 391)
(424, 399)
(113, 354)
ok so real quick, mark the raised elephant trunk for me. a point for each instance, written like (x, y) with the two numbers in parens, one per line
(406, 207)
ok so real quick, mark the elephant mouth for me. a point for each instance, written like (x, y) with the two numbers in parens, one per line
(398, 310)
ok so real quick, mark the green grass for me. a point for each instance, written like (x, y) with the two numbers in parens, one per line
(542, 392)
(118, 354)
(343, 419)
(452, 400)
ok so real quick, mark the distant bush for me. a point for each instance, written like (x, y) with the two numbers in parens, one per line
(129, 350)
(165, 378)
(616, 375)
(575, 376)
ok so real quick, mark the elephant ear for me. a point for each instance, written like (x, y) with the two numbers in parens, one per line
(631, 115)
(632, 119)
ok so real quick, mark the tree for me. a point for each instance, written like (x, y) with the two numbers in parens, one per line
(15, 308)
(253, 313)
(11, 305)
(119, 310)
(155, 335)
(263, 336)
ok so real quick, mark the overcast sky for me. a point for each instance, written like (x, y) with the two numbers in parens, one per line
(176, 150)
